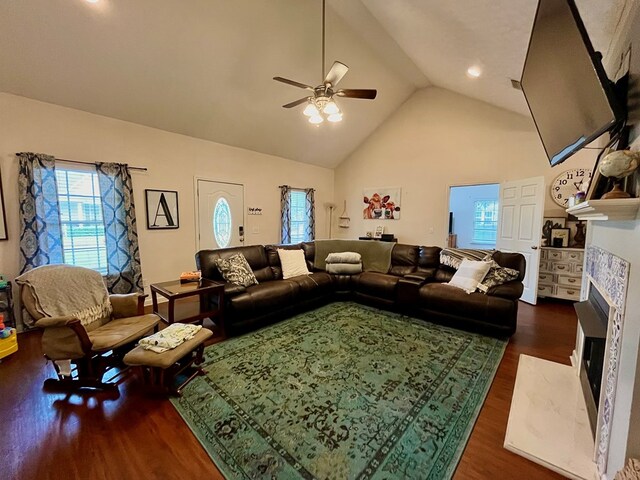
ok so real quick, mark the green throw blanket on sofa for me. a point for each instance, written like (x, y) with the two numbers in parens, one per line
(376, 256)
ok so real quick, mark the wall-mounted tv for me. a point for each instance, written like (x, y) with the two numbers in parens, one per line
(571, 100)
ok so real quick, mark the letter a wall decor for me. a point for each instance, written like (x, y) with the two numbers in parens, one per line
(162, 209)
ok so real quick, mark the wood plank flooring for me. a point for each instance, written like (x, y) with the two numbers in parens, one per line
(137, 436)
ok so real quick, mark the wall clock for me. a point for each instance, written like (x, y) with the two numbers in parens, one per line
(568, 183)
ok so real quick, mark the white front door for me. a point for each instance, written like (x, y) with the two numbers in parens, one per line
(520, 227)
(220, 214)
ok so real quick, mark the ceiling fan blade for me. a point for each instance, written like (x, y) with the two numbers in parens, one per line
(368, 94)
(338, 70)
(296, 103)
(292, 82)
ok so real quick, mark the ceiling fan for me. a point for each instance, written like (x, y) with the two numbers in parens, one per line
(320, 101)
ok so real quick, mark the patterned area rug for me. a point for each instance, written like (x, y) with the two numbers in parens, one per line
(344, 391)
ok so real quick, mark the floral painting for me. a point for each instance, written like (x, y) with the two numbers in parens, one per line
(381, 203)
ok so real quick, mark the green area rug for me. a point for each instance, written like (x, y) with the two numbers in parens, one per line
(344, 391)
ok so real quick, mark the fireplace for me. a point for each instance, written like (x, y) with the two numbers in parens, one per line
(593, 317)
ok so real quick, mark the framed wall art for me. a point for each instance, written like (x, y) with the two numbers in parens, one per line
(560, 237)
(381, 203)
(162, 209)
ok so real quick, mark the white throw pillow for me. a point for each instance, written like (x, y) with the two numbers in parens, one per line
(470, 274)
(293, 263)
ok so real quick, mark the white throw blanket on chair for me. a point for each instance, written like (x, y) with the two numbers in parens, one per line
(66, 290)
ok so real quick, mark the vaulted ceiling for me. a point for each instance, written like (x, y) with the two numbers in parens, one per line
(203, 68)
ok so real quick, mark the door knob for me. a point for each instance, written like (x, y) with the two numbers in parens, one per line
(534, 247)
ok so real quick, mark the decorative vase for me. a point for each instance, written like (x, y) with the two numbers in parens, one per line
(579, 237)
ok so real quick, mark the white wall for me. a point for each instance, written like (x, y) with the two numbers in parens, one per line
(172, 161)
(461, 203)
(437, 139)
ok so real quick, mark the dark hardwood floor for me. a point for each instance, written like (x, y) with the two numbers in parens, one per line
(53, 436)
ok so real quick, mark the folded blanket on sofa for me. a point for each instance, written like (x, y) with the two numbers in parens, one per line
(376, 256)
(171, 337)
(344, 268)
(344, 257)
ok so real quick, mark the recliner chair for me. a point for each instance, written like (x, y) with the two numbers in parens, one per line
(92, 347)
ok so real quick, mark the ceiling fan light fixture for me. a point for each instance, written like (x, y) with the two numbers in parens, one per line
(311, 110)
(316, 119)
(335, 117)
(331, 108)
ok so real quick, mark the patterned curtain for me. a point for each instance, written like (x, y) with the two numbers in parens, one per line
(310, 232)
(41, 237)
(123, 255)
(285, 214)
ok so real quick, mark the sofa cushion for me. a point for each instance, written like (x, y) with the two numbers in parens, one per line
(122, 331)
(271, 295)
(428, 258)
(404, 259)
(453, 301)
(314, 285)
(376, 284)
(236, 269)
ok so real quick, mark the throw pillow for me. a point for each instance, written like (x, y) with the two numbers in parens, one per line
(499, 275)
(344, 268)
(452, 257)
(469, 275)
(344, 257)
(293, 263)
(236, 269)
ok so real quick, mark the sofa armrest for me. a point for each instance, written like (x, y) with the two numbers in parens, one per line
(511, 290)
(232, 289)
(48, 322)
(128, 305)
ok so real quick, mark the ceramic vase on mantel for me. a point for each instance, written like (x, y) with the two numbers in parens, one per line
(580, 236)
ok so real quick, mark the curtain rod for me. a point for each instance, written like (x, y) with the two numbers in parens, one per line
(296, 188)
(141, 169)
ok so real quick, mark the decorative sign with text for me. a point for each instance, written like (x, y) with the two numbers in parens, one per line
(254, 211)
(162, 209)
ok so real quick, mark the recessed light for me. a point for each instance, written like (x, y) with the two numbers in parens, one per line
(474, 72)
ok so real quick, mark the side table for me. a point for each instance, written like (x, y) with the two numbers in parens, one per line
(179, 308)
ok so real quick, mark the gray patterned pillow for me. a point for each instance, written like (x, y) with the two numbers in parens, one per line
(236, 269)
(499, 275)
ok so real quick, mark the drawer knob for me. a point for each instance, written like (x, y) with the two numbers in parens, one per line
(571, 292)
(571, 280)
(560, 267)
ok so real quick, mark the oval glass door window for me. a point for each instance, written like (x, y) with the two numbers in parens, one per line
(222, 223)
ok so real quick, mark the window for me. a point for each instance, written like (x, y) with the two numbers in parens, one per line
(485, 221)
(222, 222)
(83, 235)
(299, 216)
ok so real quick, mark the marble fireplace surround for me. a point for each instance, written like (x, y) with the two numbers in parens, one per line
(548, 421)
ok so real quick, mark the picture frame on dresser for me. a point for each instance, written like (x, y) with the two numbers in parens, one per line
(560, 237)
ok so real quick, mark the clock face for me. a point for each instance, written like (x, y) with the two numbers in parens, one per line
(568, 183)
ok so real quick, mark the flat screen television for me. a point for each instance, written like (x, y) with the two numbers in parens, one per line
(571, 100)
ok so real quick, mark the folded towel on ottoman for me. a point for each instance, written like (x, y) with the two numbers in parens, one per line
(169, 338)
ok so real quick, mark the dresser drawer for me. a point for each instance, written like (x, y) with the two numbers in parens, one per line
(577, 268)
(545, 290)
(570, 281)
(543, 254)
(547, 278)
(545, 266)
(560, 267)
(573, 256)
(554, 255)
(569, 293)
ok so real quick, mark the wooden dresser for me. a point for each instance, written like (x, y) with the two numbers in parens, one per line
(560, 273)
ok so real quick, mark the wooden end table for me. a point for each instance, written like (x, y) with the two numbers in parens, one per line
(180, 308)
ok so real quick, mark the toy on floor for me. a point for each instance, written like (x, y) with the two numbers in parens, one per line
(8, 339)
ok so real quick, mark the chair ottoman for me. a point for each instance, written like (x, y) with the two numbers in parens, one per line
(163, 369)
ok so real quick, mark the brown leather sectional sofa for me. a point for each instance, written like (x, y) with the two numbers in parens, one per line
(415, 284)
